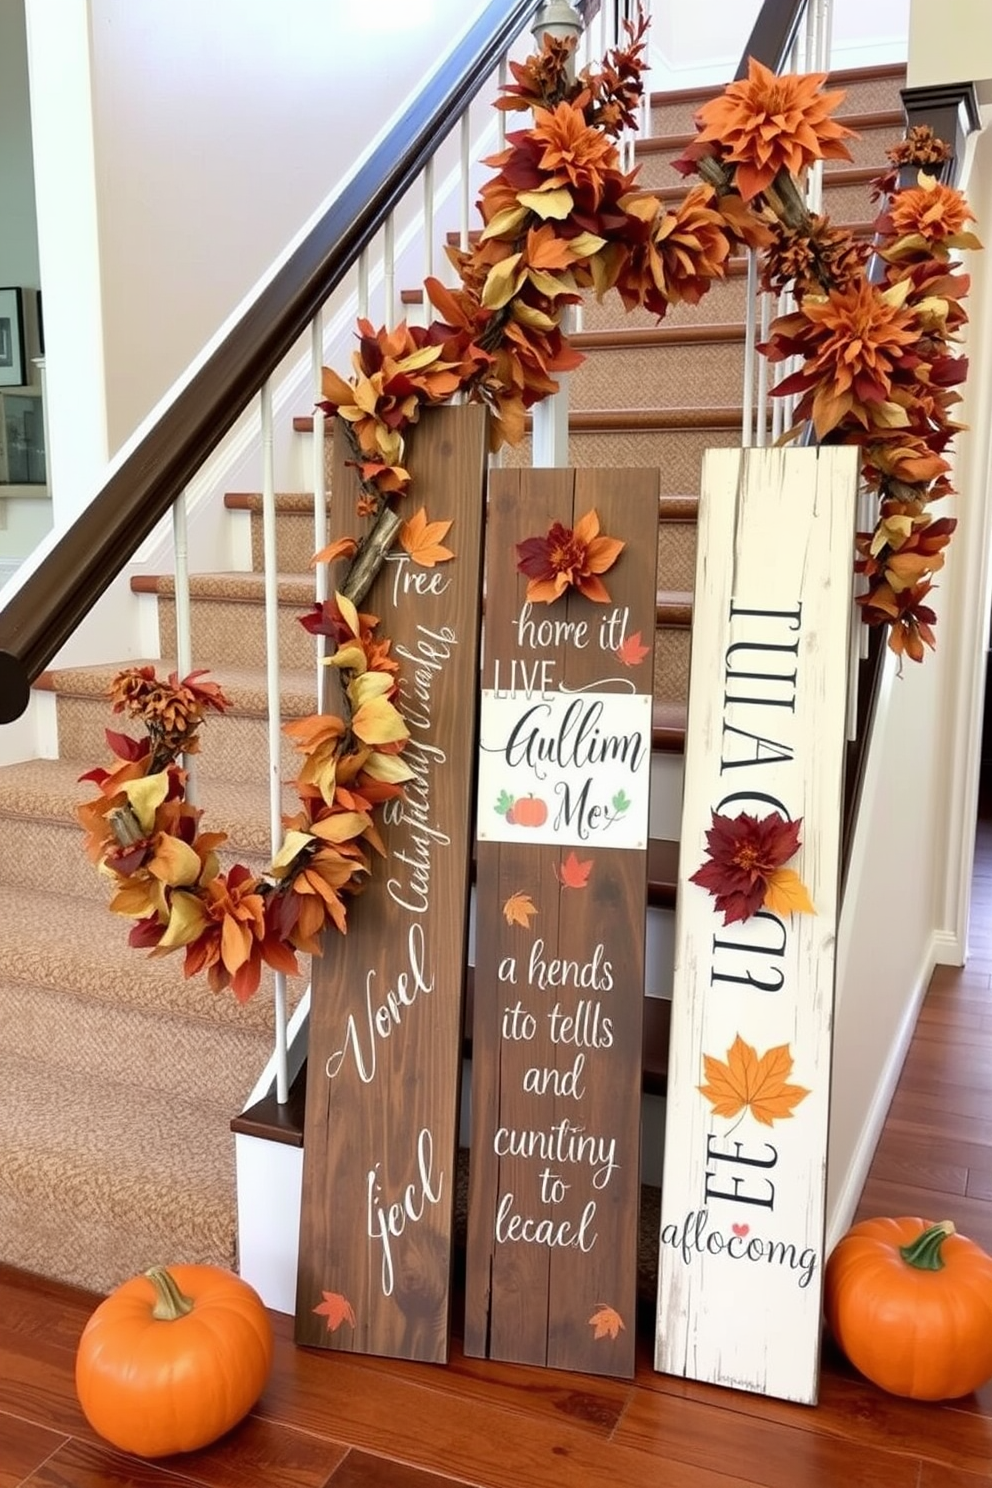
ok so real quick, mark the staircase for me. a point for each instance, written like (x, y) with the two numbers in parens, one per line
(121, 1078)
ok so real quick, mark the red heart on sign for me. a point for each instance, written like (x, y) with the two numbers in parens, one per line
(741, 1229)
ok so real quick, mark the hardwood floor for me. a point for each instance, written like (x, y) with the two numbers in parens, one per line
(363, 1423)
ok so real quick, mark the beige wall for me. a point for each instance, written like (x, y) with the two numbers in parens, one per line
(951, 43)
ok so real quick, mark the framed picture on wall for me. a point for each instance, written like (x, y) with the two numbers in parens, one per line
(13, 369)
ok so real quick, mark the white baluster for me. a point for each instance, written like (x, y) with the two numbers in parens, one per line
(750, 340)
(184, 619)
(389, 270)
(363, 284)
(274, 694)
(319, 496)
(465, 162)
(428, 183)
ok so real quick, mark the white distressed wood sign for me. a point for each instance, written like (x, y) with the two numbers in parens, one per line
(742, 1211)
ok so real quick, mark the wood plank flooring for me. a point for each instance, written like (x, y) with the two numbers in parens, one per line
(351, 1422)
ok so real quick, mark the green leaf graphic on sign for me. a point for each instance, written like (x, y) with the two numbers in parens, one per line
(620, 803)
(504, 803)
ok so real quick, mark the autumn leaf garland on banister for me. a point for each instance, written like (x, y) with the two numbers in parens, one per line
(560, 217)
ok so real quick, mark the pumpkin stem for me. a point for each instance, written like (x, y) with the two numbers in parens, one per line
(170, 1302)
(924, 1253)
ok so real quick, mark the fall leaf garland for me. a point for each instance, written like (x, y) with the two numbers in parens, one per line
(560, 217)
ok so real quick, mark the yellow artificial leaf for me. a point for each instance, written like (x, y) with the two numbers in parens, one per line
(423, 540)
(292, 845)
(606, 1322)
(342, 826)
(502, 282)
(369, 685)
(505, 223)
(348, 613)
(350, 658)
(556, 203)
(529, 316)
(552, 285)
(586, 244)
(519, 909)
(378, 722)
(146, 796)
(746, 1082)
(786, 893)
(187, 921)
(389, 769)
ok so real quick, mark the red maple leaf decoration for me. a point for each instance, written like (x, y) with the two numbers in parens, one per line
(744, 853)
(631, 651)
(337, 1310)
(572, 874)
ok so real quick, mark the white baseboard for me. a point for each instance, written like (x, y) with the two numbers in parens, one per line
(845, 1205)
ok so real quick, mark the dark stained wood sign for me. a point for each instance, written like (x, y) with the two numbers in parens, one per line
(384, 1056)
(562, 824)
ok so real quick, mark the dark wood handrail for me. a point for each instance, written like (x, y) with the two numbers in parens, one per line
(773, 34)
(44, 612)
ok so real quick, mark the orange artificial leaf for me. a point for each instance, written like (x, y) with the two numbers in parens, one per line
(747, 1082)
(337, 1310)
(423, 539)
(787, 894)
(519, 909)
(572, 874)
(632, 651)
(606, 1322)
(345, 547)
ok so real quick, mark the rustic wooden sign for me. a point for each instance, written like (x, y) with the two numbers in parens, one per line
(384, 1059)
(562, 824)
(742, 1214)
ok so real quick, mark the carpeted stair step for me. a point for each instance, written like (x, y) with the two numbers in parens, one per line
(102, 1178)
(295, 530)
(671, 654)
(671, 441)
(66, 943)
(233, 745)
(626, 367)
(81, 1035)
(677, 530)
(227, 617)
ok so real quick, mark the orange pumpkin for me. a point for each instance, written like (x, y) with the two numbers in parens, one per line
(173, 1359)
(528, 811)
(910, 1304)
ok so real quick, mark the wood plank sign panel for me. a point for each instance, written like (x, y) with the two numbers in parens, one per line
(742, 1211)
(384, 1060)
(562, 824)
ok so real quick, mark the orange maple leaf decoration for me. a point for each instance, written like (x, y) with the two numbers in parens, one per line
(746, 1082)
(519, 909)
(337, 1310)
(631, 651)
(344, 547)
(423, 540)
(572, 874)
(606, 1321)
